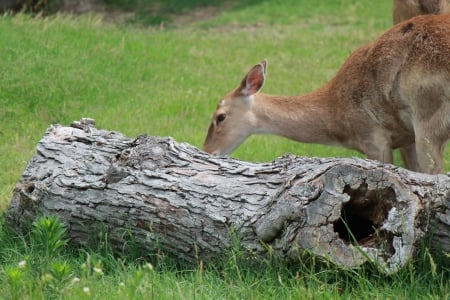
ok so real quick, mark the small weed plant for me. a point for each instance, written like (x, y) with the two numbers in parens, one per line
(48, 236)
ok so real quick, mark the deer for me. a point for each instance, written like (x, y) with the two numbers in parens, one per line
(393, 93)
(406, 9)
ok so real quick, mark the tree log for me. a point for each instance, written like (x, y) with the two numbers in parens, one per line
(160, 195)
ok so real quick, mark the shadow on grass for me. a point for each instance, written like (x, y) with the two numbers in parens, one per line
(142, 12)
(157, 12)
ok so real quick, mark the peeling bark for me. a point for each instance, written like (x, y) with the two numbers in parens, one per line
(172, 197)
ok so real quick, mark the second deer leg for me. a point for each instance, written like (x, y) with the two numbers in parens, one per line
(430, 155)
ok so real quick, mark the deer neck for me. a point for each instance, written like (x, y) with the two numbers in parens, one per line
(307, 118)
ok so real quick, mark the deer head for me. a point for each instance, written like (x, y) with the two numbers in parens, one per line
(233, 121)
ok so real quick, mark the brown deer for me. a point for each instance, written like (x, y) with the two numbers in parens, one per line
(391, 93)
(406, 9)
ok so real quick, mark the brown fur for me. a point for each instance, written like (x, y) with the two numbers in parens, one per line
(392, 93)
(406, 9)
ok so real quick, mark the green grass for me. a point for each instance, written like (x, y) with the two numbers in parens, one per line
(166, 82)
(30, 269)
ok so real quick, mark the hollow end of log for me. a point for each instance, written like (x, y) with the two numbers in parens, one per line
(363, 215)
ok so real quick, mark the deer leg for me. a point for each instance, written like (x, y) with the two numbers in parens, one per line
(409, 157)
(380, 149)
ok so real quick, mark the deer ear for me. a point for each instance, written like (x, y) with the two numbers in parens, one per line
(254, 80)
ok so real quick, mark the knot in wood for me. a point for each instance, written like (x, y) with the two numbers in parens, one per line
(146, 152)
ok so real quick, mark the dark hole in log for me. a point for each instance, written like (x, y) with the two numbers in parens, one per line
(29, 188)
(362, 216)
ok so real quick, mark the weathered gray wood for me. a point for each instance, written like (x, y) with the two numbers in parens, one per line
(173, 197)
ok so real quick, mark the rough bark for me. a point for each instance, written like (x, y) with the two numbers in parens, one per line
(172, 197)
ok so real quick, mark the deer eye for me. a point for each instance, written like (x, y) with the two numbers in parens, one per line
(220, 118)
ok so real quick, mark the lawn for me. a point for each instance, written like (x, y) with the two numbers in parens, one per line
(165, 80)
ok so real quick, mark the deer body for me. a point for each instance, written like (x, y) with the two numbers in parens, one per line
(392, 93)
(406, 9)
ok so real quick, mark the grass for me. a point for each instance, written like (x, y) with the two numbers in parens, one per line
(30, 269)
(166, 82)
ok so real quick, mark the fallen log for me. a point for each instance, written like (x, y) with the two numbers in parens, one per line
(166, 196)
